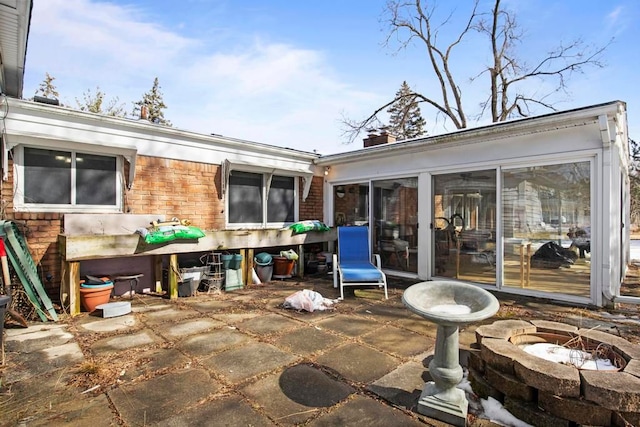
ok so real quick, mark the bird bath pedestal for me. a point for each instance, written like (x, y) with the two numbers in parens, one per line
(449, 305)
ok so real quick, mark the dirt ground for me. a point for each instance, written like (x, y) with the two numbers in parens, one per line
(631, 284)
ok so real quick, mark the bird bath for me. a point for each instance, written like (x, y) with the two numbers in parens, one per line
(449, 305)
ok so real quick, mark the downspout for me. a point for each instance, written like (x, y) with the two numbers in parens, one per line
(603, 122)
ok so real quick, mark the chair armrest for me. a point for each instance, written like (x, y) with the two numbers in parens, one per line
(334, 264)
(376, 261)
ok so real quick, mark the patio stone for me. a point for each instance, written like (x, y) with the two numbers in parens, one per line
(307, 340)
(358, 363)
(351, 326)
(235, 318)
(155, 360)
(153, 305)
(168, 314)
(417, 324)
(112, 324)
(290, 396)
(384, 313)
(32, 339)
(268, 324)
(91, 411)
(363, 411)
(211, 306)
(398, 341)
(139, 403)
(27, 396)
(363, 364)
(63, 409)
(402, 386)
(226, 411)
(204, 344)
(189, 327)
(239, 364)
(126, 341)
(41, 359)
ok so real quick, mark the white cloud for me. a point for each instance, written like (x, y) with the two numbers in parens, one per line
(613, 16)
(267, 92)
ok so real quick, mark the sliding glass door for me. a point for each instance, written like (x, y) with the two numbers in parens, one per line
(546, 213)
(464, 226)
(395, 219)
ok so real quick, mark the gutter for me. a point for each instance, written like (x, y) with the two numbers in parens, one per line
(500, 130)
(146, 129)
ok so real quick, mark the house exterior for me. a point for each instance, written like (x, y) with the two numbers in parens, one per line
(537, 206)
(62, 163)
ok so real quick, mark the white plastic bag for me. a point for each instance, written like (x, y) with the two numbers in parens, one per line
(290, 255)
(308, 300)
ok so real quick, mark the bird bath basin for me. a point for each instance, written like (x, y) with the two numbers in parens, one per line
(449, 305)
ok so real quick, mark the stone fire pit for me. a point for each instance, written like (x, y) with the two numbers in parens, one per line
(546, 393)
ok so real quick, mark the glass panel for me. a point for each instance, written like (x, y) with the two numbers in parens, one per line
(464, 226)
(351, 204)
(245, 197)
(95, 180)
(280, 203)
(395, 210)
(547, 228)
(47, 176)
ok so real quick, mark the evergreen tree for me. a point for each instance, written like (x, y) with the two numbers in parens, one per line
(96, 104)
(154, 103)
(405, 120)
(47, 88)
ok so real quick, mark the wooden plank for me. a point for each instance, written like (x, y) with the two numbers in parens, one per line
(300, 261)
(248, 260)
(157, 276)
(173, 276)
(70, 287)
(81, 247)
(80, 224)
(65, 284)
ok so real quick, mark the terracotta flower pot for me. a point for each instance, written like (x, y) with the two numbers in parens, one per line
(93, 297)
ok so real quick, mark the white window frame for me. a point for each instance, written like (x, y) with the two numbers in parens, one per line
(19, 173)
(266, 185)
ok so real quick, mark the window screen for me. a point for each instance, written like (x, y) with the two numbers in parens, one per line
(47, 176)
(95, 180)
(281, 203)
(245, 197)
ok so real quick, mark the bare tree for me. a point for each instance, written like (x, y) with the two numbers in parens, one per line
(508, 96)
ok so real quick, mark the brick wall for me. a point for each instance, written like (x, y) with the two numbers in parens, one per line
(312, 207)
(176, 188)
(166, 187)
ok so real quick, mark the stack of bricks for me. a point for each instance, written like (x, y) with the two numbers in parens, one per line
(545, 393)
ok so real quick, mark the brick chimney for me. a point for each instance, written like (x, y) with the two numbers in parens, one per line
(373, 138)
(144, 112)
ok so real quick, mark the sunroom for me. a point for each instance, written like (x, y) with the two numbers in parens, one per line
(535, 206)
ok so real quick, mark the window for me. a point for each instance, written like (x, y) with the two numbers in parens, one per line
(53, 178)
(546, 214)
(280, 203)
(248, 204)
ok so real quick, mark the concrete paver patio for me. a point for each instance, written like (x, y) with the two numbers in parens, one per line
(239, 358)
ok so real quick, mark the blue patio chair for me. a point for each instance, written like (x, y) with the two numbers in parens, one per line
(352, 265)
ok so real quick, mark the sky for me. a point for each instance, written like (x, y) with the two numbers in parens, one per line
(287, 73)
